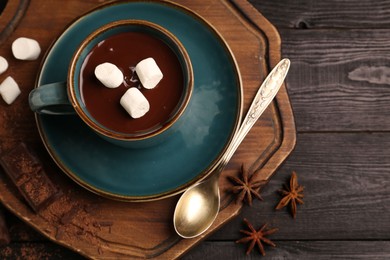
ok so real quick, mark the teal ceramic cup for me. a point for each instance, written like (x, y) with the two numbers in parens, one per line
(64, 98)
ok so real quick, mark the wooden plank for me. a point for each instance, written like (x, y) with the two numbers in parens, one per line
(295, 250)
(347, 190)
(310, 14)
(339, 79)
(229, 250)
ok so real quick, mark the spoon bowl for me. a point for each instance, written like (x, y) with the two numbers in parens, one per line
(199, 205)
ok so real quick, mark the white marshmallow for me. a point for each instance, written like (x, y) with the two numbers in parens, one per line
(148, 73)
(135, 103)
(26, 49)
(3, 64)
(109, 75)
(9, 90)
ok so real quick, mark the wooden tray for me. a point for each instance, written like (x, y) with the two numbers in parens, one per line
(101, 228)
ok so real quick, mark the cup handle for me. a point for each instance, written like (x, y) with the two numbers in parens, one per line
(51, 99)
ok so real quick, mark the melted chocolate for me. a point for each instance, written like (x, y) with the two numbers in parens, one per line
(125, 50)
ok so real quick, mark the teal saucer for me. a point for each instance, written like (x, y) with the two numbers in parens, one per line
(185, 158)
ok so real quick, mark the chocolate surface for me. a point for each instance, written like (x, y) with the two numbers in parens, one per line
(26, 172)
(20, 162)
(125, 50)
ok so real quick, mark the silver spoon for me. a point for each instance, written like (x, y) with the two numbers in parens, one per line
(199, 205)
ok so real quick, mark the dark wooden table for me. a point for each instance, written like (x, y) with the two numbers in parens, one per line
(339, 85)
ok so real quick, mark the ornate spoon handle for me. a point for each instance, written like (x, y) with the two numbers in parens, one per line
(263, 98)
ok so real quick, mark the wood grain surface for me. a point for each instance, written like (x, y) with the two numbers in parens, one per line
(339, 90)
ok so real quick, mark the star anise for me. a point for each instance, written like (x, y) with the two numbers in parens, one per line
(292, 194)
(246, 187)
(256, 237)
